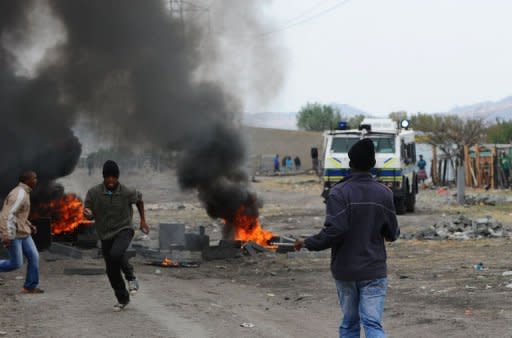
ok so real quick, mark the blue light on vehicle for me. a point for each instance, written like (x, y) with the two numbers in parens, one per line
(342, 125)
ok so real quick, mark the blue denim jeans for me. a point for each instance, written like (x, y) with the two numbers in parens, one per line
(17, 249)
(362, 303)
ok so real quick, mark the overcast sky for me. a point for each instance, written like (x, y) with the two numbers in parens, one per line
(387, 55)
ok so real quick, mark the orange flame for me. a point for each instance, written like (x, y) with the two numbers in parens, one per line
(248, 228)
(168, 262)
(66, 213)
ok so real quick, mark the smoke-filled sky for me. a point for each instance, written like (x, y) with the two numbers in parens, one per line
(383, 56)
(137, 70)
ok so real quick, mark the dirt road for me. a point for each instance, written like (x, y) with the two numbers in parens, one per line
(434, 290)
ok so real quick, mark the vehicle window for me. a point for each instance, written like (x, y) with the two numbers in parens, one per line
(384, 144)
(342, 144)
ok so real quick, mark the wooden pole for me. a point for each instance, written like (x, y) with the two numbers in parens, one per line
(434, 173)
(478, 171)
(493, 156)
(467, 164)
(445, 167)
(461, 185)
(475, 181)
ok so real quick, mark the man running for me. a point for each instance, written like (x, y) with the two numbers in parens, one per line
(16, 230)
(110, 204)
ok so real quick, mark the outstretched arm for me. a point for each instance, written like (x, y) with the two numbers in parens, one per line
(144, 227)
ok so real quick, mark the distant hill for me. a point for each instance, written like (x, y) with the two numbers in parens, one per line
(347, 110)
(271, 120)
(289, 120)
(489, 110)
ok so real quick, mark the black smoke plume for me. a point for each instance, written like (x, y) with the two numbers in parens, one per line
(132, 66)
(35, 131)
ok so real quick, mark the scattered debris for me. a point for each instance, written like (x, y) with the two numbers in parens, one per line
(167, 206)
(309, 254)
(478, 199)
(143, 237)
(479, 266)
(303, 296)
(443, 191)
(253, 248)
(168, 263)
(462, 228)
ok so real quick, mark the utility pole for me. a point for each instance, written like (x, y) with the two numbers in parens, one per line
(178, 9)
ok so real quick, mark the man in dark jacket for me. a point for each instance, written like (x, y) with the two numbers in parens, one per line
(360, 216)
(110, 204)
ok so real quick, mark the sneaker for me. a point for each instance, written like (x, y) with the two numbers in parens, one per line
(31, 291)
(119, 307)
(133, 286)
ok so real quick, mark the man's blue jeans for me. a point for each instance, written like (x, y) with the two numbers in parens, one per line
(362, 303)
(17, 249)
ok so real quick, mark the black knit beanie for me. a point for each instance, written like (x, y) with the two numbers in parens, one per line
(110, 169)
(362, 155)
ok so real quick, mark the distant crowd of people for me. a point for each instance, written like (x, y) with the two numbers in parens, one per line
(286, 164)
(502, 171)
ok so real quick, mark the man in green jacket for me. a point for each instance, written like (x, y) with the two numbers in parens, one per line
(110, 204)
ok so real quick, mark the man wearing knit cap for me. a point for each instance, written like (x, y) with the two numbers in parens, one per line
(360, 216)
(110, 204)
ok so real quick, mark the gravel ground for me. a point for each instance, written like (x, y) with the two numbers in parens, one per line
(434, 290)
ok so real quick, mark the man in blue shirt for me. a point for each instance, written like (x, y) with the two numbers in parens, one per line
(276, 163)
(360, 216)
(422, 172)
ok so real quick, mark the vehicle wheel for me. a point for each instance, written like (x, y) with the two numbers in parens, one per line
(410, 202)
(400, 205)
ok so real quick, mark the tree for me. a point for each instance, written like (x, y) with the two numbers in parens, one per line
(398, 116)
(318, 117)
(355, 121)
(449, 132)
(501, 132)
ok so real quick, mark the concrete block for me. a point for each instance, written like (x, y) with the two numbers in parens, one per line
(196, 242)
(230, 243)
(86, 237)
(218, 252)
(171, 234)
